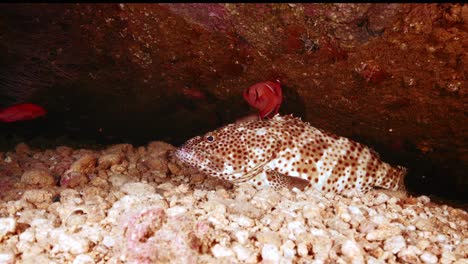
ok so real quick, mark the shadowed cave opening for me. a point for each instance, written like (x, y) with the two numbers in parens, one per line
(114, 73)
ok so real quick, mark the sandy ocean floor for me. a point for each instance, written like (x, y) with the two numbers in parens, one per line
(139, 205)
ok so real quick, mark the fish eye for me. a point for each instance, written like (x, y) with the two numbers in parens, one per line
(210, 138)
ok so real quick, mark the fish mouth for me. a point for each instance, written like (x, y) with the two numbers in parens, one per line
(182, 154)
(189, 155)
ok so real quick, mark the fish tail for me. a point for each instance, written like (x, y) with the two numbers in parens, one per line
(393, 178)
(400, 177)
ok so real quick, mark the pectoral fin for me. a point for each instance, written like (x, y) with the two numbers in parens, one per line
(250, 174)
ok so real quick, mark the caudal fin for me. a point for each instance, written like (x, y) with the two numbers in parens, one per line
(401, 174)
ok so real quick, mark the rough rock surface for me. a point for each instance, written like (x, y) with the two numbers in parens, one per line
(392, 76)
(133, 212)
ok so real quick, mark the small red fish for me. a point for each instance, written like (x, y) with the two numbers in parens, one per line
(266, 97)
(21, 112)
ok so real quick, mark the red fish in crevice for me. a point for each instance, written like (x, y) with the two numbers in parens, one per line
(21, 112)
(266, 97)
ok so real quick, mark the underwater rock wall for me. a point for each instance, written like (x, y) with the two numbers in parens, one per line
(391, 76)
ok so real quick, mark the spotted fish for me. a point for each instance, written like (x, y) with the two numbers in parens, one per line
(286, 152)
